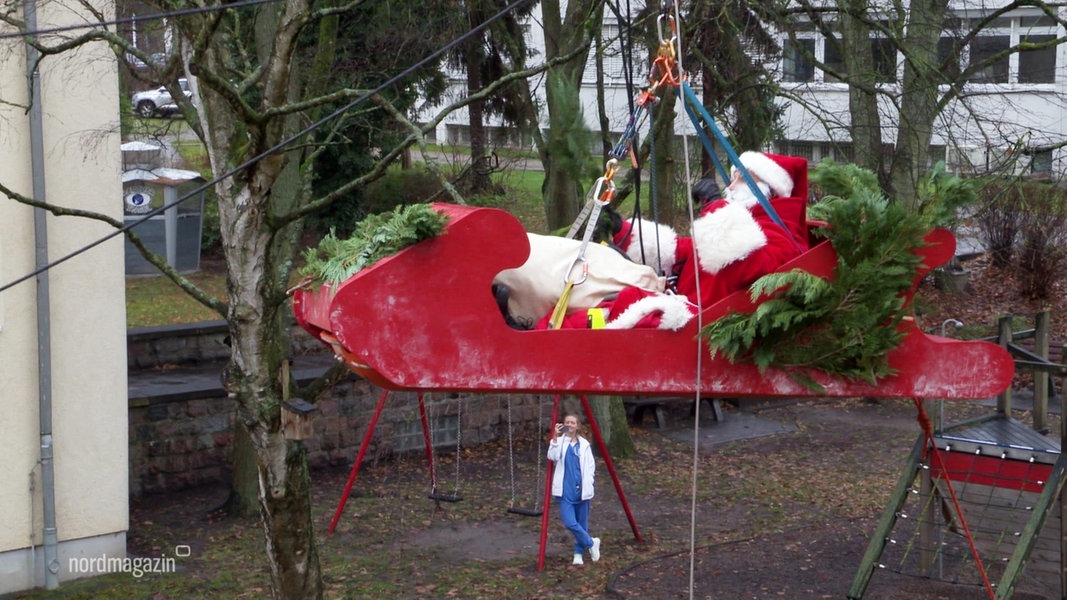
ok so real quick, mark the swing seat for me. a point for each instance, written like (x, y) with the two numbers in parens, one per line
(426, 319)
(444, 498)
(525, 512)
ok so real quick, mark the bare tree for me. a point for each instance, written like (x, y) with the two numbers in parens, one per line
(566, 34)
(863, 42)
(261, 81)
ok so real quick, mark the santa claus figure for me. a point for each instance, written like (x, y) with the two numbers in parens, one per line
(735, 241)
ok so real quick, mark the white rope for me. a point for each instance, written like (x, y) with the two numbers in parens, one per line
(700, 323)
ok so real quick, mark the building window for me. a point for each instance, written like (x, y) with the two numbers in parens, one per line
(1038, 66)
(984, 48)
(989, 51)
(883, 52)
(797, 66)
(885, 59)
(1041, 162)
(614, 68)
(948, 56)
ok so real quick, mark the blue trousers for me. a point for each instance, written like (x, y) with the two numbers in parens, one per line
(575, 516)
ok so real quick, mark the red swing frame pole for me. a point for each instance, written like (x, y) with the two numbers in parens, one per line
(546, 504)
(611, 467)
(359, 459)
(429, 443)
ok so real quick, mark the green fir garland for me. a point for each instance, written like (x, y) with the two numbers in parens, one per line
(376, 237)
(845, 326)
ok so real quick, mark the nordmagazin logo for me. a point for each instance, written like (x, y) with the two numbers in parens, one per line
(137, 566)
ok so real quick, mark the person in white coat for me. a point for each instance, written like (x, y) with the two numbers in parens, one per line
(572, 484)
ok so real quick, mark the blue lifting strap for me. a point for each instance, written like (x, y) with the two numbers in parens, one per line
(692, 101)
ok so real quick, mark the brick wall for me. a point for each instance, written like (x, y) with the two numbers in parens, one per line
(181, 433)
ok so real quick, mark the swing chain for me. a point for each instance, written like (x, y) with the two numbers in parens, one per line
(459, 432)
(511, 456)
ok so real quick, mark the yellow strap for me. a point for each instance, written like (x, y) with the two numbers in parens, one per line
(560, 311)
(595, 318)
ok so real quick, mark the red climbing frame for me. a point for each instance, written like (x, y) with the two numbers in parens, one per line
(425, 319)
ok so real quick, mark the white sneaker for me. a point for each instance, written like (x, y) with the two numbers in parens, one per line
(594, 551)
(577, 560)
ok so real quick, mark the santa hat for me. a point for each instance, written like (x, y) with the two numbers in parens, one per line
(770, 169)
(640, 309)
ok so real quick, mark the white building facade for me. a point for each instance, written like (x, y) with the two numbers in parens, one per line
(1010, 114)
(63, 401)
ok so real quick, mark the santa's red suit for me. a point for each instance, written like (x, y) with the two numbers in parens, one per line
(735, 241)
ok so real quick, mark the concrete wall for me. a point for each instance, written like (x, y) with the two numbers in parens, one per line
(87, 310)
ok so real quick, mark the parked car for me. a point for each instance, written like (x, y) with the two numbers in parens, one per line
(157, 102)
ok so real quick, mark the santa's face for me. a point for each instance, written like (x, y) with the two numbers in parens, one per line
(738, 191)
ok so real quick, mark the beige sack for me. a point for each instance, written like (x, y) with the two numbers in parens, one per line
(536, 285)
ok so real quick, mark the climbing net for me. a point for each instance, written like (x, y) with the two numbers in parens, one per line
(965, 508)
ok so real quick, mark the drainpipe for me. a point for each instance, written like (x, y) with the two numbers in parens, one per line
(44, 331)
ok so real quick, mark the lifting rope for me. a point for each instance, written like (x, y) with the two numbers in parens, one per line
(601, 195)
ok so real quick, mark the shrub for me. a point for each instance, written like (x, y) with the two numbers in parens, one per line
(1002, 205)
(1043, 225)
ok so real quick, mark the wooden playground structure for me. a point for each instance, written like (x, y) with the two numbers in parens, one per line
(982, 501)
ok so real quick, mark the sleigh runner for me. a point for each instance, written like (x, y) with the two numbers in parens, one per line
(423, 320)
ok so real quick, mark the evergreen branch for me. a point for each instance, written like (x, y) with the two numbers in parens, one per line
(845, 326)
(376, 237)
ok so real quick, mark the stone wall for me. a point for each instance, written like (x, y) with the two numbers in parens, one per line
(181, 422)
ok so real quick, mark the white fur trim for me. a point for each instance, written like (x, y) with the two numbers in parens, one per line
(764, 167)
(727, 235)
(743, 195)
(675, 309)
(658, 241)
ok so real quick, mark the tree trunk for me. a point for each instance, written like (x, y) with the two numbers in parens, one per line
(866, 126)
(286, 512)
(610, 416)
(918, 101)
(244, 481)
(478, 181)
(663, 161)
(258, 262)
(562, 194)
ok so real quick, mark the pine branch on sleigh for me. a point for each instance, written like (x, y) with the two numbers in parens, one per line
(845, 326)
(376, 237)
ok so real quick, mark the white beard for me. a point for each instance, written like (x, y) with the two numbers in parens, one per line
(743, 195)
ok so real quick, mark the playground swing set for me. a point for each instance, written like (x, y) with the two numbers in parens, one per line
(383, 326)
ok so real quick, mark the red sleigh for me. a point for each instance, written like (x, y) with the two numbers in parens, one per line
(426, 319)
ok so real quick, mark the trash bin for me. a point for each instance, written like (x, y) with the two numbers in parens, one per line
(175, 232)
